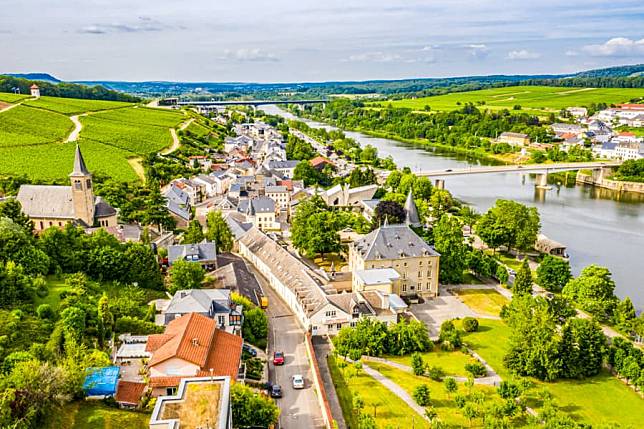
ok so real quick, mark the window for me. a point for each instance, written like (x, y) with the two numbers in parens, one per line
(412, 287)
(170, 391)
(404, 264)
(78, 184)
(429, 285)
(404, 288)
(330, 313)
(420, 273)
(221, 320)
(89, 184)
(429, 273)
(420, 263)
(338, 326)
(235, 320)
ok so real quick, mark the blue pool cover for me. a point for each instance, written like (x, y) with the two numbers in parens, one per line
(101, 381)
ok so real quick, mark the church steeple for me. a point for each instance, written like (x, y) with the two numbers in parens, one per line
(82, 194)
(411, 211)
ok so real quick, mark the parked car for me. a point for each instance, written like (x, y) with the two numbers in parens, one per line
(248, 349)
(278, 358)
(298, 381)
(276, 391)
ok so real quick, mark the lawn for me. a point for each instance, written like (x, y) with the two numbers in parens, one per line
(444, 405)
(390, 410)
(55, 287)
(329, 258)
(482, 301)
(534, 99)
(10, 97)
(591, 400)
(24, 125)
(72, 106)
(95, 415)
(471, 279)
(453, 363)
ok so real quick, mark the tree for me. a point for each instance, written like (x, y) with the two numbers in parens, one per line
(625, 315)
(393, 212)
(582, 348)
(155, 211)
(450, 385)
(440, 201)
(12, 209)
(298, 149)
(251, 409)
(509, 223)
(553, 273)
(362, 177)
(314, 228)
(218, 231)
(194, 233)
(105, 316)
(407, 337)
(449, 336)
(469, 216)
(15, 285)
(593, 292)
(255, 327)
(72, 320)
(508, 390)
(310, 175)
(186, 275)
(470, 412)
(421, 395)
(523, 281)
(476, 369)
(448, 241)
(470, 324)
(369, 154)
(417, 364)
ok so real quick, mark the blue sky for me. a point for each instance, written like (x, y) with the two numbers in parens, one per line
(302, 40)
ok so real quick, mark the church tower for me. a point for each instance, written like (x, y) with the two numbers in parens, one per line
(82, 194)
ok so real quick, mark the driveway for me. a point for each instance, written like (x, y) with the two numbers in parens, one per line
(435, 311)
(299, 408)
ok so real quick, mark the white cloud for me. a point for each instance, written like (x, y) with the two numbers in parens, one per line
(572, 53)
(375, 57)
(523, 54)
(478, 50)
(142, 24)
(250, 55)
(616, 47)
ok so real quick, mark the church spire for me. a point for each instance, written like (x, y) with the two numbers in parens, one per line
(80, 169)
(411, 211)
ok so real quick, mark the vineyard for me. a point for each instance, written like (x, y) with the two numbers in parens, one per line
(31, 136)
(12, 98)
(23, 125)
(73, 106)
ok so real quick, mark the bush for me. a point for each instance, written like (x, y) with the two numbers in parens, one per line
(44, 311)
(449, 336)
(136, 326)
(460, 401)
(421, 395)
(477, 369)
(435, 373)
(417, 364)
(470, 324)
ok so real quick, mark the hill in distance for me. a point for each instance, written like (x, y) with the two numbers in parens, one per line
(46, 77)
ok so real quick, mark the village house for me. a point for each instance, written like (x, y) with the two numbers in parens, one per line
(194, 190)
(626, 137)
(204, 253)
(48, 205)
(319, 162)
(178, 204)
(577, 112)
(343, 196)
(280, 195)
(285, 169)
(260, 212)
(191, 346)
(400, 248)
(514, 139)
(213, 303)
(34, 90)
(632, 150)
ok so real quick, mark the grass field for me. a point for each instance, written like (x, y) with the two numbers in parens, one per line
(443, 404)
(72, 106)
(453, 363)
(482, 301)
(12, 98)
(591, 400)
(391, 411)
(23, 125)
(537, 99)
(55, 287)
(95, 415)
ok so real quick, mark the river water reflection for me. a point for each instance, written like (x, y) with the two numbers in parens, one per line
(597, 225)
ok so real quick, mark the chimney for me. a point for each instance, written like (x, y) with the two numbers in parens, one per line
(195, 342)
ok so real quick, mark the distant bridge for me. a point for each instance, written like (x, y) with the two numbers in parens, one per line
(244, 102)
(526, 168)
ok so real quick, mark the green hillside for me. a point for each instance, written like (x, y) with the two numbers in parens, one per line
(538, 99)
(9, 97)
(32, 136)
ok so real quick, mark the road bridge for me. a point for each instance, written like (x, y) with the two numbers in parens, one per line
(254, 103)
(541, 170)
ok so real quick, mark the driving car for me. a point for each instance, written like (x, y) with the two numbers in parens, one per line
(251, 351)
(278, 358)
(276, 391)
(298, 381)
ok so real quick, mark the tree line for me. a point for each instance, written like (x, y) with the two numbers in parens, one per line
(65, 90)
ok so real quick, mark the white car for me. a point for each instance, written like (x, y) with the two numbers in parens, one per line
(298, 381)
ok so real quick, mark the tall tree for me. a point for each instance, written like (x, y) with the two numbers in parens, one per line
(12, 209)
(194, 233)
(186, 275)
(582, 348)
(523, 281)
(218, 231)
(393, 212)
(440, 201)
(553, 273)
(593, 291)
(448, 241)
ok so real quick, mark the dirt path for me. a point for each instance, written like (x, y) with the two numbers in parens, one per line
(73, 136)
(136, 165)
(572, 91)
(175, 139)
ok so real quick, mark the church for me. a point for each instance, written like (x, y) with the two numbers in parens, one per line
(48, 205)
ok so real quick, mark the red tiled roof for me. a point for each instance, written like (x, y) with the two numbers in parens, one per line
(195, 338)
(129, 392)
(34, 86)
(632, 106)
(319, 160)
(165, 381)
(287, 183)
(626, 134)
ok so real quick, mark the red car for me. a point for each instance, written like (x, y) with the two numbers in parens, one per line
(278, 358)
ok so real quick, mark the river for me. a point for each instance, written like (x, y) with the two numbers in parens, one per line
(597, 225)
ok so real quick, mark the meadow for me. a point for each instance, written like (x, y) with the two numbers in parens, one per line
(10, 97)
(72, 106)
(23, 125)
(535, 99)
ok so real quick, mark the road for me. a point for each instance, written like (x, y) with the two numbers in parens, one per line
(526, 168)
(175, 139)
(299, 408)
(73, 136)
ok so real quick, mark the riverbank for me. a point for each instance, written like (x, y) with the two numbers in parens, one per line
(613, 185)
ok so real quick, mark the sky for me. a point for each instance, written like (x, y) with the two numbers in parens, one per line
(303, 40)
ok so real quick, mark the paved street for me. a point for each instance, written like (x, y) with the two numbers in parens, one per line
(300, 408)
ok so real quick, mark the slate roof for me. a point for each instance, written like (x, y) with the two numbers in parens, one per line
(237, 224)
(80, 169)
(392, 242)
(199, 301)
(411, 211)
(47, 201)
(256, 205)
(287, 268)
(103, 209)
(275, 189)
(282, 164)
(178, 202)
(348, 302)
(206, 251)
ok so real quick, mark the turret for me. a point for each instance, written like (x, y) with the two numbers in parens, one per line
(411, 212)
(82, 193)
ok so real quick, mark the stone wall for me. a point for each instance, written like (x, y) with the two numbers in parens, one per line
(614, 185)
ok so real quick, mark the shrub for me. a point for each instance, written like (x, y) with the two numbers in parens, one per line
(477, 369)
(136, 326)
(470, 324)
(417, 364)
(44, 311)
(435, 373)
(460, 401)
(449, 336)
(421, 395)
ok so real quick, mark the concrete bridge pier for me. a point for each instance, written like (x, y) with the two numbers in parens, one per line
(542, 181)
(439, 184)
